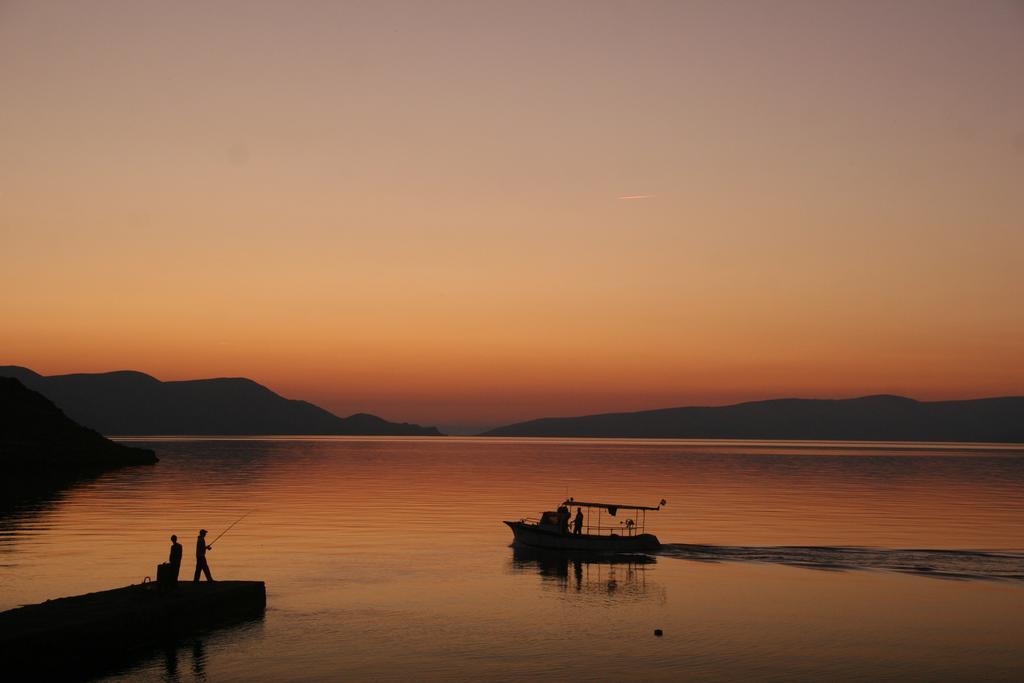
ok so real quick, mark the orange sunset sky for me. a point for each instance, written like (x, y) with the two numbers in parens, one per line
(472, 213)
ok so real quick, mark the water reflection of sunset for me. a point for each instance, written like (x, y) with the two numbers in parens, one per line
(398, 545)
(317, 498)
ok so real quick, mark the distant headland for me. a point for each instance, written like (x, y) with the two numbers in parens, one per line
(870, 418)
(130, 403)
(42, 449)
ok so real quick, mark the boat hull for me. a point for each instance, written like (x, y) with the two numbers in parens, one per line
(533, 536)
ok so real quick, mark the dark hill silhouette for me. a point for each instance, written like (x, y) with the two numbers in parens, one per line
(871, 418)
(38, 441)
(133, 403)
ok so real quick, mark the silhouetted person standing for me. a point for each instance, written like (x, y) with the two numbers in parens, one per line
(577, 523)
(201, 565)
(563, 519)
(175, 559)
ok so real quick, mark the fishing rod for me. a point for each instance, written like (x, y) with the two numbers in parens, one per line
(230, 527)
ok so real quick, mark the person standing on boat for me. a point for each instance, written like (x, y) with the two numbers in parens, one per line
(577, 523)
(175, 558)
(201, 565)
(563, 519)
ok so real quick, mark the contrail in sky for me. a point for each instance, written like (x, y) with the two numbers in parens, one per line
(637, 196)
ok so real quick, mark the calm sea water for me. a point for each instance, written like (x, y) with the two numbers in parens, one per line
(386, 559)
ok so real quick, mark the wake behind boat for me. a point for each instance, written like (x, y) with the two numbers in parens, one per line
(602, 529)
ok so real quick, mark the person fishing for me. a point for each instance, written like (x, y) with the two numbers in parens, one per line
(175, 558)
(577, 523)
(201, 549)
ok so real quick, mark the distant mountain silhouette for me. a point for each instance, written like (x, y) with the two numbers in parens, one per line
(37, 440)
(133, 403)
(871, 418)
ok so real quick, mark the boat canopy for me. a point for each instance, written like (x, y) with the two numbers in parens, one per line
(612, 508)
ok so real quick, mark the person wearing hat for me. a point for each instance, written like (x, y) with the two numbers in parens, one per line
(201, 549)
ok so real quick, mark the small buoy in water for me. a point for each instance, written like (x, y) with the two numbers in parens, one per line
(657, 632)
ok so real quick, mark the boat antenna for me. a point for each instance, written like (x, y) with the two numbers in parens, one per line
(230, 527)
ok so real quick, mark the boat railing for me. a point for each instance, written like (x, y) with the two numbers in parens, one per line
(626, 527)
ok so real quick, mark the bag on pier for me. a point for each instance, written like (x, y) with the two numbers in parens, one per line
(166, 576)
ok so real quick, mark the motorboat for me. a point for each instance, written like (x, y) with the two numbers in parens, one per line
(606, 527)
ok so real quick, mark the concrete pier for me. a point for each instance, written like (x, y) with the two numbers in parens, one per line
(102, 627)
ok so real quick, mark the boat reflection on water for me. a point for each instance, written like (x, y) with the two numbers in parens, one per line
(608, 578)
